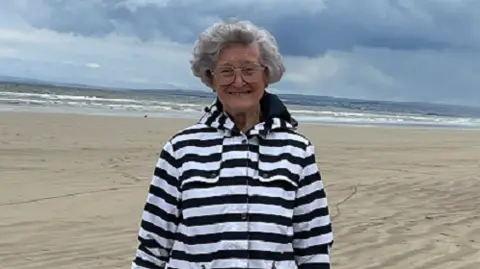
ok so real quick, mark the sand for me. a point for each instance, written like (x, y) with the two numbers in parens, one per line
(72, 189)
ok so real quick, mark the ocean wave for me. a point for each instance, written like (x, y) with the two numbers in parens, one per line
(191, 106)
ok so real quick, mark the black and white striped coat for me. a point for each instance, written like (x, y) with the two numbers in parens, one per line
(220, 198)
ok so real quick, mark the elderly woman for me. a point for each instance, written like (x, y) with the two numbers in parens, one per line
(240, 188)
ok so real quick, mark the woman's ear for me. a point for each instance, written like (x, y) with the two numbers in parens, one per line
(209, 75)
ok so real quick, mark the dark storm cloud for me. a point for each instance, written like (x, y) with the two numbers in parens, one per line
(374, 49)
(336, 25)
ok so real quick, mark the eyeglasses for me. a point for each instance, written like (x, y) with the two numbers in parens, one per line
(250, 73)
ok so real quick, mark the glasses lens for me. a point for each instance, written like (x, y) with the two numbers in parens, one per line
(251, 73)
(225, 75)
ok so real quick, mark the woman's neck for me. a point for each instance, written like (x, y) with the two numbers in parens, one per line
(246, 120)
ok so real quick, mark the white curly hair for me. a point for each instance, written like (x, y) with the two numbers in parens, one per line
(214, 38)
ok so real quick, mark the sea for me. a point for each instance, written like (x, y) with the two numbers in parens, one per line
(37, 97)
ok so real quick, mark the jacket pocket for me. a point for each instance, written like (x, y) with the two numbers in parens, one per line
(197, 187)
(200, 178)
(273, 179)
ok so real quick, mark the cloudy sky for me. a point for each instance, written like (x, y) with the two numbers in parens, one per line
(410, 50)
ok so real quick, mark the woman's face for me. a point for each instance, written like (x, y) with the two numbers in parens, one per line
(239, 79)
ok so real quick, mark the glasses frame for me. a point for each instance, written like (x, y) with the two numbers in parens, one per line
(258, 67)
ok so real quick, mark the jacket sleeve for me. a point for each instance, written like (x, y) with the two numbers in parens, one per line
(160, 214)
(313, 236)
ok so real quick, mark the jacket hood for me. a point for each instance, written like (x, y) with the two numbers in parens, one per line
(275, 116)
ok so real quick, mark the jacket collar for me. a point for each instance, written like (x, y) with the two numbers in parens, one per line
(275, 116)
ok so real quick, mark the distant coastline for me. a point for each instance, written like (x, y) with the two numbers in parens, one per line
(31, 95)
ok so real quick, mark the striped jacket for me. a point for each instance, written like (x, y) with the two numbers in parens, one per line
(220, 198)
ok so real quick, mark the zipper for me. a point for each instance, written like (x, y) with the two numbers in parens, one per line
(248, 164)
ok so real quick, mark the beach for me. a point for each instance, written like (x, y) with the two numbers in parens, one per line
(72, 188)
